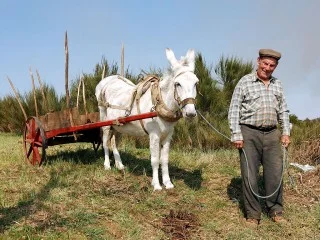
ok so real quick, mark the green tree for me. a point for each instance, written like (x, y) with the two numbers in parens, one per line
(208, 92)
(229, 71)
(294, 119)
(91, 80)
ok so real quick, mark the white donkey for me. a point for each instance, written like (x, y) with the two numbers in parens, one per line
(172, 97)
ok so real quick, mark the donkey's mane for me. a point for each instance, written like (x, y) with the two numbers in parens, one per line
(169, 73)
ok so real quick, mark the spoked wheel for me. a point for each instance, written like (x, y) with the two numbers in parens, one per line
(34, 141)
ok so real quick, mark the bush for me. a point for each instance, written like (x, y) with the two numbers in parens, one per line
(212, 102)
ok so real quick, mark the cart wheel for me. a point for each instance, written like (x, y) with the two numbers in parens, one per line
(34, 141)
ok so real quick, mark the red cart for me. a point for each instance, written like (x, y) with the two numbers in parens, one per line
(57, 128)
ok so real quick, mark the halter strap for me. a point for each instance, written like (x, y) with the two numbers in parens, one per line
(185, 101)
(160, 107)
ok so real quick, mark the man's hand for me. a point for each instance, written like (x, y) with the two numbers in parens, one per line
(238, 144)
(285, 140)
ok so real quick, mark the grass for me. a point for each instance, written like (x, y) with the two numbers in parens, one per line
(73, 197)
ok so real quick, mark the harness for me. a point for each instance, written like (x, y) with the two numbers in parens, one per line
(157, 101)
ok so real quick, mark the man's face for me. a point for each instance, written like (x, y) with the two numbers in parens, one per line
(266, 66)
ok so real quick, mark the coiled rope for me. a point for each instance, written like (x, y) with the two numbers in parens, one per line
(284, 162)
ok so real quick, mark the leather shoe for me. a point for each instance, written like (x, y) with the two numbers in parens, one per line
(278, 219)
(252, 223)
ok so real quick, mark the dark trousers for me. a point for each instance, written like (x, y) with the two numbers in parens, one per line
(261, 147)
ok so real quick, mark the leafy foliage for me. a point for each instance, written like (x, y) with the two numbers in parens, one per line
(214, 94)
(229, 72)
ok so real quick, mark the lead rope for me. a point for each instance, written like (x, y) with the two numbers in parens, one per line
(284, 162)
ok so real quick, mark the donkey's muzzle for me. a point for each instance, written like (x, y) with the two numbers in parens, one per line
(190, 112)
(187, 101)
(191, 115)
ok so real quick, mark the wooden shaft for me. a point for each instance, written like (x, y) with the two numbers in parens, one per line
(18, 99)
(84, 97)
(79, 85)
(34, 93)
(122, 60)
(88, 126)
(67, 69)
(45, 101)
(103, 72)
(67, 80)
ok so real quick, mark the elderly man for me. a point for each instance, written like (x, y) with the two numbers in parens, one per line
(258, 104)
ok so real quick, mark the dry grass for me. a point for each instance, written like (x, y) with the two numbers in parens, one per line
(308, 152)
(306, 185)
(306, 189)
(73, 197)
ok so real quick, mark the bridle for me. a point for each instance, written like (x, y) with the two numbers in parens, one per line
(184, 102)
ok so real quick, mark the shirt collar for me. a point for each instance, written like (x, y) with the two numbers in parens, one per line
(272, 78)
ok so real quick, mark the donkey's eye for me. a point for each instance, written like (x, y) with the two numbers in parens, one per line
(177, 84)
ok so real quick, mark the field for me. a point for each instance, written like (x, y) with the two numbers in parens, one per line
(73, 197)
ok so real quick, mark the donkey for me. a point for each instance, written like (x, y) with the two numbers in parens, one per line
(172, 97)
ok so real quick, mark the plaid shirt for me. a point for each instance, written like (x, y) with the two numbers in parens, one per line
(255, 104)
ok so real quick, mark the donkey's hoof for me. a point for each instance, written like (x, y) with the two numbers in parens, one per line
(120, 166)
(106, 167)
(157, 188)
(169, 185)
(156, 185)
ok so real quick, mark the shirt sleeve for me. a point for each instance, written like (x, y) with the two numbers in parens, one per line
(234, 114)
(283, 116)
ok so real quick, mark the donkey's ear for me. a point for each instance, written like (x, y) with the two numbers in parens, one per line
(190, 55)
(190, 58)
(171, 58)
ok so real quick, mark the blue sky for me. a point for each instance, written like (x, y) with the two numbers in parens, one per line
(32, 35)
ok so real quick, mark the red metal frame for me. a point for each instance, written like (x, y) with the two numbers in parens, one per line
(35, 137)
(88, 126)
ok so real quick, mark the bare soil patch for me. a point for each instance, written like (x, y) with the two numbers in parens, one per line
(180, 225)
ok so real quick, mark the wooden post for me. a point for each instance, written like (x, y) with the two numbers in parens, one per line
(45, 101)
(18, 99)
(81, 82)
(84, 97)
(103, 72)
(34, 93)
(66, 69)
(122, 60)
(66, 49)
(79, 86)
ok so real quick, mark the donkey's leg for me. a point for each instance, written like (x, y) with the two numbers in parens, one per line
(165, 161)
(155, 154)
(105, 137)
(105, 140)
(116, 153)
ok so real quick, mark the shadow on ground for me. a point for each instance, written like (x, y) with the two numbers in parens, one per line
(234, 191)
(135, 165)
(142, 166)
(24, 208)
(81, 156)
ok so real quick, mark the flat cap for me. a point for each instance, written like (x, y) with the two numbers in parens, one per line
(269, 53)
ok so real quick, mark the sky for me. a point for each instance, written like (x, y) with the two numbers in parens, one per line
(32, 36)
